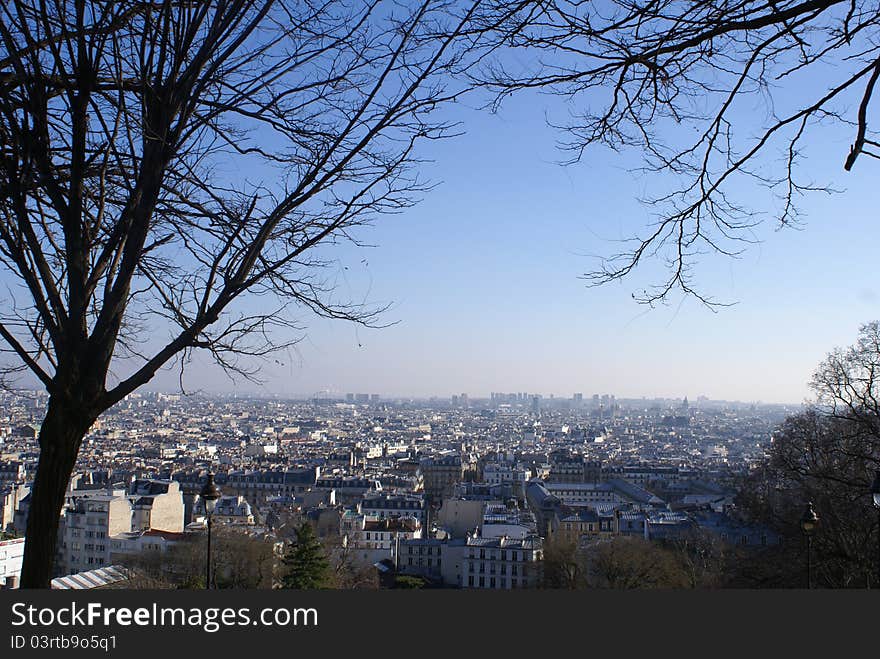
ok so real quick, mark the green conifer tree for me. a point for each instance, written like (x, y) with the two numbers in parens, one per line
(307, 565)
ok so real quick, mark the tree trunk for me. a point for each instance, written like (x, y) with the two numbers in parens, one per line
(61, 434)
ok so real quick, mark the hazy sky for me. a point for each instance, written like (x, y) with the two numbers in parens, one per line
(483, 277)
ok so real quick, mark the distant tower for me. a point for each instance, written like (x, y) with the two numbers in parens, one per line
(684, 405)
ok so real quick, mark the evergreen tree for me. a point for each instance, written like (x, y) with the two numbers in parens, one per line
(307, 565)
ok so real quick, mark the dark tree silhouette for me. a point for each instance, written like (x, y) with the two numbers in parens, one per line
(828, 455)
(679, 82)
(168, 171)
(820, 459)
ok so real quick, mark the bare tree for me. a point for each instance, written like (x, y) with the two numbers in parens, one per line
(847, 384)
(678, 82)
(348, 572)
(624, 562)
(829, 455)
(821, 459)
(563, 564)
(168, 171)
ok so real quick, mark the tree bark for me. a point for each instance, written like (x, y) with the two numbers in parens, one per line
(60, 437)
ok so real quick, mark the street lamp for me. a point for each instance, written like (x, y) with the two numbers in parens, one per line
(809, 523)
(210, 493)
(875, 494)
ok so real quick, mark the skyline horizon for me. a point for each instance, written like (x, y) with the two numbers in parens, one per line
(385, 396)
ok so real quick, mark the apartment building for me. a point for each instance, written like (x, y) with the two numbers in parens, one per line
(89, 521)
(502, 563)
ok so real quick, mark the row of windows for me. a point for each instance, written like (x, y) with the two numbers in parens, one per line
(493, 555)
(91, 560)
(75, 533)
(379, 535)
(431, 562)
(579, 526)
(390, 505)
(502, 570)
(482, 582)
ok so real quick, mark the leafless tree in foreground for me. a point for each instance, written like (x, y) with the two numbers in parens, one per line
(828, 454)
(167, 171)
(680, 82)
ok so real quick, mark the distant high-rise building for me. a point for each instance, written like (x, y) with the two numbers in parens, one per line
(349, 398)
(374, 398)
(536, 404)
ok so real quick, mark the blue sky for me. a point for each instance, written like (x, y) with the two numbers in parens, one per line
(483, 279)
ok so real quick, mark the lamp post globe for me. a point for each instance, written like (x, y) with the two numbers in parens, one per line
(210, 493)
(809, 524)
(809, 521)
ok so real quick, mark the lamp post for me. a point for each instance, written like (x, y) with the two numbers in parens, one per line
(210, 493)
(809, 522)
(875, 494)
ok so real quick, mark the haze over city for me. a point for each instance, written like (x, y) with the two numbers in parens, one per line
(484, 281)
